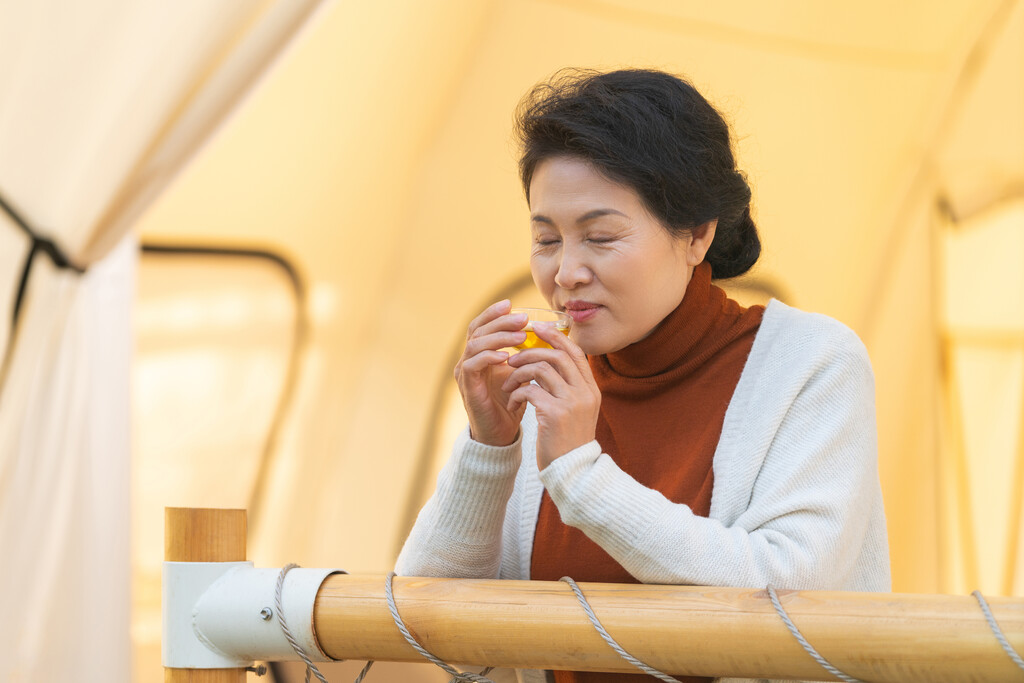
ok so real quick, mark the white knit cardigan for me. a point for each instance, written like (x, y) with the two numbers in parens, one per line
(796, 501)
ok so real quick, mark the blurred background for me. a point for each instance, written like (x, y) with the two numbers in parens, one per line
(240, 243)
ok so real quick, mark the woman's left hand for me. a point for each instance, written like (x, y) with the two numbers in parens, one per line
(564, 395)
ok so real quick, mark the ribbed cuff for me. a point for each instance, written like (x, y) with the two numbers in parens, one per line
(595, 496)
(475, 486)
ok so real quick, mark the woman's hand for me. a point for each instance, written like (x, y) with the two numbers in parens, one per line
(481, 374)
(564, 394)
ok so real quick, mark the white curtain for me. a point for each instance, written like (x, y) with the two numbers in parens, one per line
(101, 103)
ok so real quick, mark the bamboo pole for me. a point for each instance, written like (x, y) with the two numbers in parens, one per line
(204, 535)
(685, 630)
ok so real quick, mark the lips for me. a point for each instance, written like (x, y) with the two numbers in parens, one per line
(581, 311)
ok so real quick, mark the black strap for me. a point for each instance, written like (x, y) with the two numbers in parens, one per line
(39, 244)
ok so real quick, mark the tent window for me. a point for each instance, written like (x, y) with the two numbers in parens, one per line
(217, 333)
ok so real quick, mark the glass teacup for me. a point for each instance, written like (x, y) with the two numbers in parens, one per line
(561, 321)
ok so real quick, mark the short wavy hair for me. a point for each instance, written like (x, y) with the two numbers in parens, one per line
(653, 132)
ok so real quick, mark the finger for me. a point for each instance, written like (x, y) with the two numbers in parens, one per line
(546, 376)
(496, 317)
(490, 313)
(493, 342)
(528, 393)
(544, 403)
(560, 360)
(480, 362)
(557, 340)
(503, 323)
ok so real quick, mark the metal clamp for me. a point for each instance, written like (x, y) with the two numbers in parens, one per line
(219, 615)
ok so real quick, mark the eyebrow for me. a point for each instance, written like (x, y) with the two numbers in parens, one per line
(588, 216)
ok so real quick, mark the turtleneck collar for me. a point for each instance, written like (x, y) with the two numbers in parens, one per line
(683, 340)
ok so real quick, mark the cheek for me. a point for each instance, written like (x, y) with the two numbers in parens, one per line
(543, 276)
(649, 285)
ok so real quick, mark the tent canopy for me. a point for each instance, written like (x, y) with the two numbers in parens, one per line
(885, 147)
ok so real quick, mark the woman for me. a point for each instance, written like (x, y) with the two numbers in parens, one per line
(676, 437)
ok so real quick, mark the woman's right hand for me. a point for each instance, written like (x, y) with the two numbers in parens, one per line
(482, 371)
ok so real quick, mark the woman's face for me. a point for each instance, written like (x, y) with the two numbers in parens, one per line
(600, 256)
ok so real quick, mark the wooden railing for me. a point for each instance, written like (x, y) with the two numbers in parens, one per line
(689, 630)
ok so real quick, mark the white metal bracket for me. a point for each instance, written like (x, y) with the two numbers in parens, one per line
(221, 615)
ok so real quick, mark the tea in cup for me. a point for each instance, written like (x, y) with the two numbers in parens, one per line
(561, 321)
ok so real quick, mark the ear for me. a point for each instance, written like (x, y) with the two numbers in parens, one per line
(700, 241)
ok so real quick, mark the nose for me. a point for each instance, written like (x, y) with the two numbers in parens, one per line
(572, 269)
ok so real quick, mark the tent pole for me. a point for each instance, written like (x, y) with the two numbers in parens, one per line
(204, 535)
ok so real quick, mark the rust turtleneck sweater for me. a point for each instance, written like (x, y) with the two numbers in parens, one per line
(663, 401)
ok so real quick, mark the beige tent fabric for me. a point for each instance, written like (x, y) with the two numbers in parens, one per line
(980, 320)
(101, 103)
(980, 161)
(378, 157)
(394, 189)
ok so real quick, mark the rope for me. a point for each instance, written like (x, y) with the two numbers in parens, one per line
(310, 666)
(39, 245)
(611, 641)
(366, 670)
(452, 671)
(803, 641)
(996, 631)
(777, 604)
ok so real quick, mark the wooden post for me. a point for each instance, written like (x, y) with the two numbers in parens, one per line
(204, 535)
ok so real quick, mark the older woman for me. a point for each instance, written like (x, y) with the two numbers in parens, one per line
(676, 437)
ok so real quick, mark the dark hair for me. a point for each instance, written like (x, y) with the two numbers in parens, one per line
(654, 133)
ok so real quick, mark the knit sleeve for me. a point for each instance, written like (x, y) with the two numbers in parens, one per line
(458, 533)
(813, 512)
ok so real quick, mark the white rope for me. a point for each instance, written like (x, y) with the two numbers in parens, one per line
(803, 641)
(651, 671)
(996, 631)
(366, 670)
(452, 671)
(310, 666)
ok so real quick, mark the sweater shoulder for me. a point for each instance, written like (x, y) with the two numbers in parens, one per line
(805, 333)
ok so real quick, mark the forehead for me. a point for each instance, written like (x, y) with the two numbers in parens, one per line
(568, 186)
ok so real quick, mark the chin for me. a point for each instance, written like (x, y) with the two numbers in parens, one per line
(595, 347)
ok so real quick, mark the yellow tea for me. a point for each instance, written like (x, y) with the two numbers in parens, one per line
(561, 321)
(533, 341)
